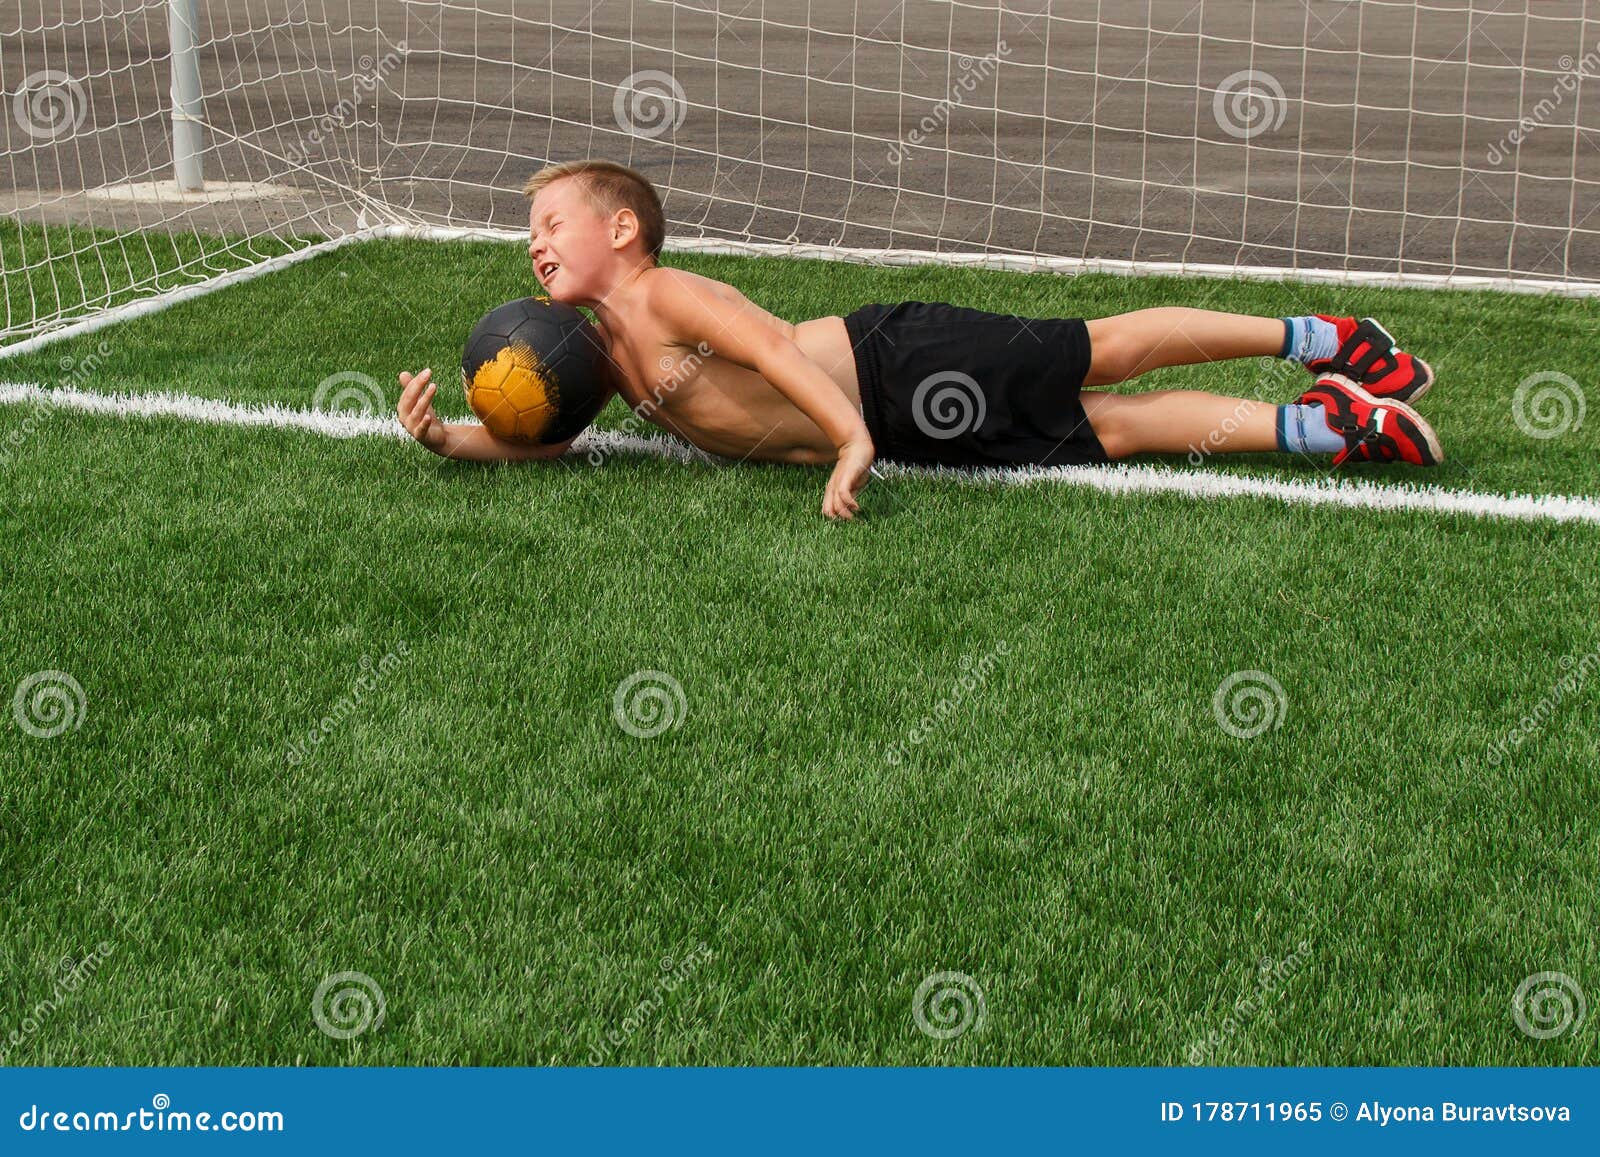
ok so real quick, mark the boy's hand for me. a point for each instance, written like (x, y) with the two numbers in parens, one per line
(464, 441)
(416, 410)
(849, 476)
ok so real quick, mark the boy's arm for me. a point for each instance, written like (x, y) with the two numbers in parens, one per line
(463, 442)
(743, 333)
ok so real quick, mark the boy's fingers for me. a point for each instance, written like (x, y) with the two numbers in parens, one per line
(422, 390)
(409, 380)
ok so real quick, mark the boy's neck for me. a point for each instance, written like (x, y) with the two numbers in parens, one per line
(623, 276)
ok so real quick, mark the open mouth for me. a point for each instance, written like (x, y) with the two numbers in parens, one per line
(548, 270)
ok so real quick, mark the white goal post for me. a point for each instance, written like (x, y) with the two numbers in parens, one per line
(153, 149)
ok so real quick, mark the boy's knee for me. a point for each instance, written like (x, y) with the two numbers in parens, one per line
(1108, 417)
(1116, 442)
(1112, 355)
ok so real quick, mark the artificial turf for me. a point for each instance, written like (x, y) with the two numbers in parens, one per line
(843, 808)
(67, 272)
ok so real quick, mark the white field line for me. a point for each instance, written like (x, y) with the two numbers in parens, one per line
(1112, 479)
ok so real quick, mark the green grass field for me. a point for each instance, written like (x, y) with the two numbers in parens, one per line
(973, 732)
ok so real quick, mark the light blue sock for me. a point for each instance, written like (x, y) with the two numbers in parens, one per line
(1309, 339)
(1305, 430)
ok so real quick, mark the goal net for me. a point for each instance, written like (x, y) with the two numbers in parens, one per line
(153, 147)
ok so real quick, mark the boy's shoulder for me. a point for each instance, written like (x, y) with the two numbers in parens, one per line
(661, 284)
(679, 303)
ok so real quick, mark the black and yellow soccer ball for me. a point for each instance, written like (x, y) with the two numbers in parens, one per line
(534, 371)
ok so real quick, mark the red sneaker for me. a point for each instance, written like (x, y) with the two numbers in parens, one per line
(1368, 356)
(1375, 430)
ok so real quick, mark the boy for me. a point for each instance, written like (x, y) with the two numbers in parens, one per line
(917, 381)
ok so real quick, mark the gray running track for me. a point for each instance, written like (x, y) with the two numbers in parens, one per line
(1096, 132)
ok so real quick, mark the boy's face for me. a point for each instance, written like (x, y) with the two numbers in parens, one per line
(568, 242)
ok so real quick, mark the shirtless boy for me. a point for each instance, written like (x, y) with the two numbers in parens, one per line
(922, 382)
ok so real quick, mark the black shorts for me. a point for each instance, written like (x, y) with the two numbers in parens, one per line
(946, 385)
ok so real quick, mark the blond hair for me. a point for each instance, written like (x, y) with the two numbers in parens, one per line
(610, 187)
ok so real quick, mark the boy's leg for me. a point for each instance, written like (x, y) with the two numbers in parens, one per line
(1177, 421)
(1180, 422)
(1336, 417)
(1342, 419)
(1131, 344)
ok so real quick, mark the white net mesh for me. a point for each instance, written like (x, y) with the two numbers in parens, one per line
(1349, 138)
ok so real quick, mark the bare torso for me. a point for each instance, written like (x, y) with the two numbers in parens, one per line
(718, 405)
